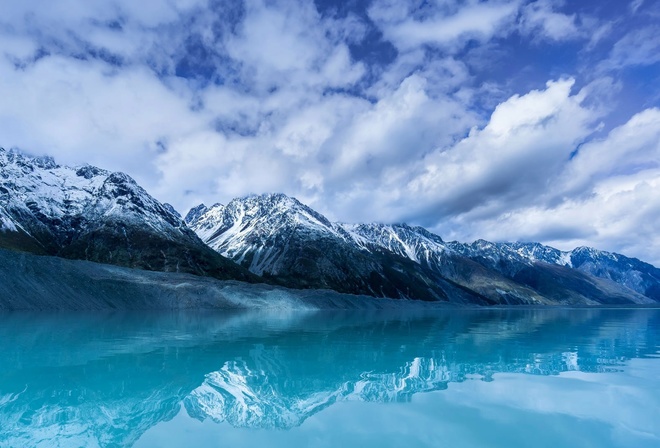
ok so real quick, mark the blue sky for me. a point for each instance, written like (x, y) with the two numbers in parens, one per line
(504, 120)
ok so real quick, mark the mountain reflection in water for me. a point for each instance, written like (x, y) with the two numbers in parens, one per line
(106, 379)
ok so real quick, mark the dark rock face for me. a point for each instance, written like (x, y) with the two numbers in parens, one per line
(91, 214)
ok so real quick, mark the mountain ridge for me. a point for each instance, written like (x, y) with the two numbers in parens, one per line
(256, 231)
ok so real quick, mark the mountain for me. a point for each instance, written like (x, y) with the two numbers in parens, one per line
(630, 272)
(92, 214)
(509, 271)
(278, 237)
(519, 259)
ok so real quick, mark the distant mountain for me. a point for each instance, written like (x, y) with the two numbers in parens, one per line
(278, 237)
(508, 271)
(517, 260)
(92, 214)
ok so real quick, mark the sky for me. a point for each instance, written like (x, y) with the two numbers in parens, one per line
(507, 120)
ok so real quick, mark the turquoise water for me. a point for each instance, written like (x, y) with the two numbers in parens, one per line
(489, 378)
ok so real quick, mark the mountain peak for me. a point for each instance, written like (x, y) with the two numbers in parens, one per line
(277, 206)
(195, 213)
(18, 157)
(269, 200)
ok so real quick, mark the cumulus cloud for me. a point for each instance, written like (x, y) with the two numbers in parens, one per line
(509, 161)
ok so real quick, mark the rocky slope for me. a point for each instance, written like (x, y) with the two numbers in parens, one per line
(38, 282)
(91, 214)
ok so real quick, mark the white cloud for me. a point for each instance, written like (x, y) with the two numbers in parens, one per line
(540, 18)
(525, 144)
(447, 26)
(627, 150)
(325, 150)
(289, 43)
(79, 111)
(638, 47)
(635, 5)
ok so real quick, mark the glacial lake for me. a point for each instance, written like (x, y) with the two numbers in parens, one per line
(455, 378)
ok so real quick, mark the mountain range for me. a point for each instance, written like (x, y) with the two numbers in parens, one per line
(278, 237)
(87, 213)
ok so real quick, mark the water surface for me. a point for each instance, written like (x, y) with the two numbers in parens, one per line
(541, 377)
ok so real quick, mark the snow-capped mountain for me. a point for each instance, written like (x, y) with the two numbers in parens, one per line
(442, 258)
(277, 236)
(512, 258)
(504, 272)
(630, 272)
(93, 214)
(259, 222)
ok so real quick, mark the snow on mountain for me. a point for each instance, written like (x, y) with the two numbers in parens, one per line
(195, 213)
(245, 228)
(415, 243)
(54, 196)
(277, 236)
(510, 258)
(630, 272)
(90, 213)
(7, 223)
